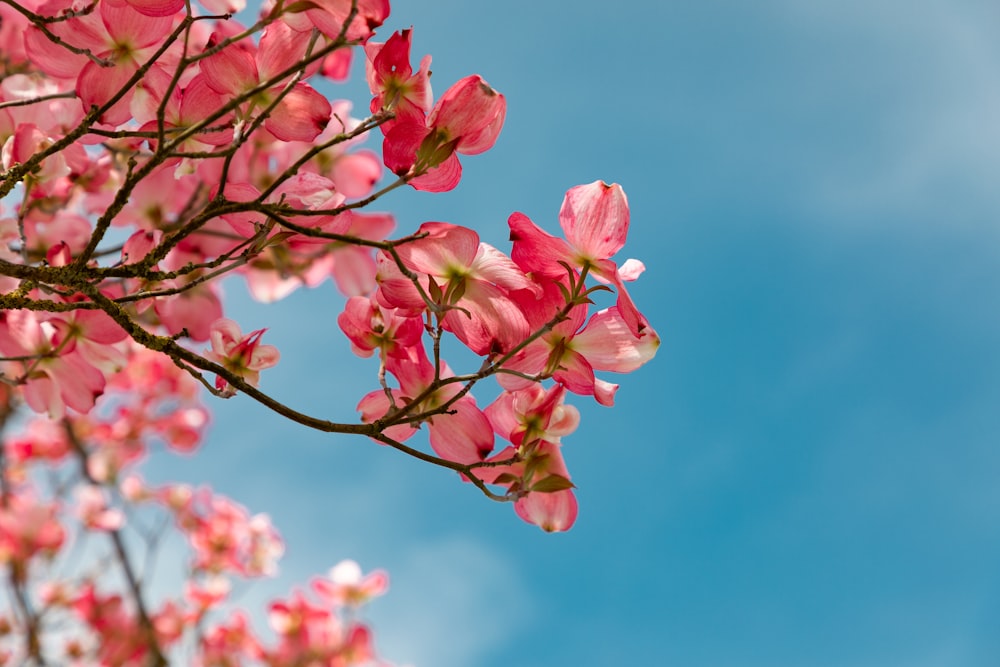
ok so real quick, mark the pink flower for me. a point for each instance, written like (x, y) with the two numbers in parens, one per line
(126, 36)
(467, 119)
(60, 377)
(541, 482)
(330, 15)
(224, 536)
(228, 642)
(193, 310)
(571, 355)
(28, 527)
(474, 280)
(301, 114)
(392, 82)
(532, 414)
(92, 508)
(461, 434)
(346, 585)
(371, 327)
(242, 355)
(595, 219)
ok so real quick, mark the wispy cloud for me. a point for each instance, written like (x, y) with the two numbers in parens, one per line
(913, 93)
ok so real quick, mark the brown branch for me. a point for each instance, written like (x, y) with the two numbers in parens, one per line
(41, 98)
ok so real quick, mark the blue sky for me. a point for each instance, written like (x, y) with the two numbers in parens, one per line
(807, 474)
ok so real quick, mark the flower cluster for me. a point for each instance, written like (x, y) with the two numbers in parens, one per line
(527, 314)
(150, 148)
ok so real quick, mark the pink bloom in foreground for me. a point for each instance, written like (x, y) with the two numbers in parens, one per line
(61, 377)
(330, 15)
(532, 414)
(467, 119)
(461, 434)
(301, 114)
(571, 355)
(474, 279)
(118, 33)
(242, 355)
(392, 82)
(371, 327)
(595, 219)
(542, 483)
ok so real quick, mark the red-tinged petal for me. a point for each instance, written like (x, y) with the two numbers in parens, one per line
(486, 320)
(501, 414)
(157, 7)
(137, 246)
(43, 397)
(376, 404)
(149, 95)
(223, 6)
(399, 148)
(394, 289)
(98, 85)
(606, 271)
(470, 112)
(267, 286)
(357, 173)
(530, 360)
(359, 645)
(445, 249)
(552, 512)
(535, 250)
(494, 266)
(200, 101)
(194, 310)
(609, 344)
(576, 373)
(441, 178)
(309, 190)
(263, 356)
(414, 371)
(280, 48)
(108, 359)
(391, 59)
(354, 271)
(542, 306)
(465, 436)
(604, 392)
(595, 219)
(133, 24)
(225, 334)
(98, 326)
(232, 70)
(410, 100)
(337, 65)
(356, 323)
(490, 474)
(372, 226)
(566, 418)
(332, 14)
(244, 223)
(78, 382)
(20, 333)
(300, 116)
(59, 255)
(50, 57)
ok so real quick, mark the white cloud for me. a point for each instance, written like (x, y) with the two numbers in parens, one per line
(920, 80)
(451, 602)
